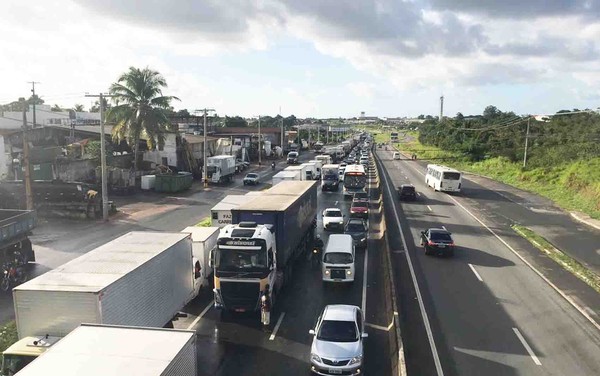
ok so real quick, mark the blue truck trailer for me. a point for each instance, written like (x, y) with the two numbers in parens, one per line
(266, 237)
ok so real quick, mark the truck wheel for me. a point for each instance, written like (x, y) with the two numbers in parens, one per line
(5, 284)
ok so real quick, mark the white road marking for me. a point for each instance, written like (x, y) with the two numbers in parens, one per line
(476, 274)
(379, 327)
(429, 207)
(434, 352)
(559, 291)
(212, 303)
(536, 243)
(364, 290)
(527, 347)
(272, 337)
(336, 203)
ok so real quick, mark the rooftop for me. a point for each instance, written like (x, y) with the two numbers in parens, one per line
(340, 312)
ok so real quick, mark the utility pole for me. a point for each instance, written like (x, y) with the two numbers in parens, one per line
(441, 108)
(34, 99)
(101, 97)
(281, 128)
(259, 143)
(27, 175)
(205, 151)
(526, 143)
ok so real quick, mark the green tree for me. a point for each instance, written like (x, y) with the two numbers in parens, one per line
(78, 108)
(140, 109)
(56, 108)
(96, 106)
(235, 121)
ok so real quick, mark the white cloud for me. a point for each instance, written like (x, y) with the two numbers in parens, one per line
(362, 89)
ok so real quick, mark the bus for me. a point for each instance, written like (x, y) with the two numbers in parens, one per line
(355, 179)
(394, 136)
(442, 178)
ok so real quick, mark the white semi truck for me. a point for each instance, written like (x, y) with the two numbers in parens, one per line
(99, 350)
(138, 279)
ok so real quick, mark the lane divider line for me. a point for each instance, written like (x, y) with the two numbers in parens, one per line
(272, 337)
(475, 272)
(543, 277)
(209, 306)
(527, 347)
(428, 330)
(379, 327)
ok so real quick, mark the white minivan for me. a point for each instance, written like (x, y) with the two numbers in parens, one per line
(396, 155)
(338, 259)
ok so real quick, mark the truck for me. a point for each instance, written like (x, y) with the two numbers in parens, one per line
(286, 176)
(318, 166)
(220, 214)
(330, 177)
(15, 229)
(347, 146)
(101, 350)
(220, 168)
(138, 279)
(268, 235)
(301, 169)
(325, 159)
(204, 240)
(310, 170)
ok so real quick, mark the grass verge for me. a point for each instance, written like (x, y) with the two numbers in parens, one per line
(206, 222)
(573, 186)
(8, 335)
(564, 260)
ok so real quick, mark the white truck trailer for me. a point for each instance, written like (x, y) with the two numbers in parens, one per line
(220, 168)
(220, 214)
(286, 176)
(138, 279)
(301, 169)
(98, 350)
(318, 167)
(204, 239)
(310, 170)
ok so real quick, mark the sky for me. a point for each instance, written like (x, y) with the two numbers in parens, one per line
(311, 58)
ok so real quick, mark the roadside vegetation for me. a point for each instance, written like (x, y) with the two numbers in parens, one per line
(206, 222)
(564, 260)
(8, 335)
(563, 162)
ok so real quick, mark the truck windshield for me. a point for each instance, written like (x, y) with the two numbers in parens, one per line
(355, 181)
(11, 364)
(242, 259)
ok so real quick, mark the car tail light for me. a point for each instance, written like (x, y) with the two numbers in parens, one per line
(430, 243)
(451, 244)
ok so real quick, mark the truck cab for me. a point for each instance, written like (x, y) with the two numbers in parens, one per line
(244, 263)
(23, 352)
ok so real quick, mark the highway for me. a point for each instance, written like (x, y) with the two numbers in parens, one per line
(484, 311)
(238, 345)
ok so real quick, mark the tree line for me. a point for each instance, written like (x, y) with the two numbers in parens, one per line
(567, 136)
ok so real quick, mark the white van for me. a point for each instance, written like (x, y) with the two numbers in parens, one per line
(338, 259)
(396, 155)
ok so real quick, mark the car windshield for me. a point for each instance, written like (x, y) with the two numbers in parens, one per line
(252, 176)
(360, 195)
(333, 213)
(355, 227)
(440, 236)
(338, 331)
(338, 258)
(408, 189)
(451, 176)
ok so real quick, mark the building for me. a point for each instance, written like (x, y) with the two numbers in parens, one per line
(45, 116)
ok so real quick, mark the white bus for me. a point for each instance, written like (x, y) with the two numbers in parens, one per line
(355, 179)
(442, 178)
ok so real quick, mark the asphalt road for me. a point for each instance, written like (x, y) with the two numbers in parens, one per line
(238, 345)
(488, 313)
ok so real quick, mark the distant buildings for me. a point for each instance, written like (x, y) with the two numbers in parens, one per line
(45, 116)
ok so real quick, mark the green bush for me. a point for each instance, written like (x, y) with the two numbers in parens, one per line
(8, 335)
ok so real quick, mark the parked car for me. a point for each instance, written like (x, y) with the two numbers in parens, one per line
(359, 209)
(361, 196)
(438, 241)
(407, 192)
(358, 229)
(251, 178)
(337, 346)
(333, 219)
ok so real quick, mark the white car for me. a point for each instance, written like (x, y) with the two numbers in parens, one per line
(333, 219)
(337, 346)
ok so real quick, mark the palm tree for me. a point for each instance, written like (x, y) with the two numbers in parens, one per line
(78, 108)
(140, 109)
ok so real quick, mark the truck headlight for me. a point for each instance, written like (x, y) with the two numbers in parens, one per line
(326, 271)
(355, 360)
(363, 239)
(348, 271)
(315, 358)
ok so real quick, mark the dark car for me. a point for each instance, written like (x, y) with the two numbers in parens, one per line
(438, 241)
(407, 192)
(361, 196)
(357, 228)
(359, 209)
